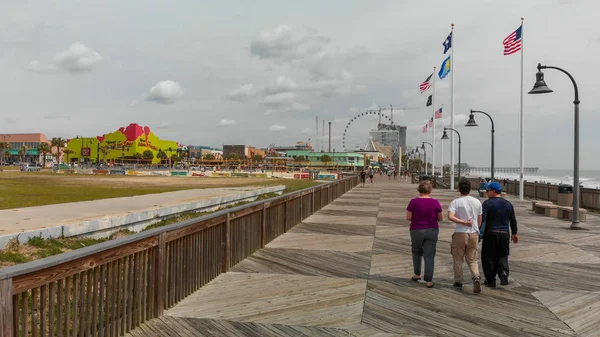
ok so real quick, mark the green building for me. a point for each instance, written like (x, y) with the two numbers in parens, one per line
(339, 159)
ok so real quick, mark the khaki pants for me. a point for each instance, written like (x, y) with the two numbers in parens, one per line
(464, 247)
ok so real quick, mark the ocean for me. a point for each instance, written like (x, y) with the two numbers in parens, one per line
(587, 178)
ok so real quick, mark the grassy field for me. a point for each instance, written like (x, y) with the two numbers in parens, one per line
(24, 189)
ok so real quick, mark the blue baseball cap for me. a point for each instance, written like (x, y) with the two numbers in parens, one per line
(495, 186)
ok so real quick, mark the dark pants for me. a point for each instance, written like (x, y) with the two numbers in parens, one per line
(423, 243)
(494, 254)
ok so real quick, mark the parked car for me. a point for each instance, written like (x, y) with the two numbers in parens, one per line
(27, 167)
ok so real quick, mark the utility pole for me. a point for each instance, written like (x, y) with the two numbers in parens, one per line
(329, 136)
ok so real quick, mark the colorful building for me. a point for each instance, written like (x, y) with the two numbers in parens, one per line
(343, 159)
(124, 144)
(24, 147)
(242, 151)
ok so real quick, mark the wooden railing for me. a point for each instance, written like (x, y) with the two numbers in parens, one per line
(589, 197)
(110, 288)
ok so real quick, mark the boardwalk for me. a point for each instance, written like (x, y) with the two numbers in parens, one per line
(345, 272)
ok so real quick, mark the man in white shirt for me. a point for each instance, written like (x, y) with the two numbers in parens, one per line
(466, 212)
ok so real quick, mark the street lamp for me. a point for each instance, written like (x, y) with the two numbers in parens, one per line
(445, 136)
(472, 122)
(540, 87)
(425, 155)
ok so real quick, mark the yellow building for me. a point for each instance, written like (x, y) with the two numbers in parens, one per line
(124, 144)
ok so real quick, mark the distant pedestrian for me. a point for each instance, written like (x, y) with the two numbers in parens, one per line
(371, 175)
(466, 213)
(363, 177)
(389, 174)
(396, 174)
(424, 213)
(500, 221)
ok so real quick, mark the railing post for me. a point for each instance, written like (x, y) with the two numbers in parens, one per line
(301, 213)
(160, 261)
(263, 230)
(7, 327)
(227, 244)
(312, 210)
(287, 217)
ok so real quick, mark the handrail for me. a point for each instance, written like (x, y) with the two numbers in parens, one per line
(119, 284)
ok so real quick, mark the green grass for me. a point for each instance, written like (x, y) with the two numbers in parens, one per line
(10, 258)
(25, 189)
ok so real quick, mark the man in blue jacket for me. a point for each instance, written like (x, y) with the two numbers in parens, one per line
(500, 223)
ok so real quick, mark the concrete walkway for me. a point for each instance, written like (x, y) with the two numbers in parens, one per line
(30, 218)
(345, 271)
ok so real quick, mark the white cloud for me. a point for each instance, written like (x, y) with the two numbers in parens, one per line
(276, 127)
(307, 130)
(165, 92)
(226, 122)
(354, 110)
(163, 125)
(280, 85)
(297, 107)
(279, 44)
(57, 116)
(269, 112)
(240, 94)
(281, 99)
(37, 67)
(77, 58)
(134, 103)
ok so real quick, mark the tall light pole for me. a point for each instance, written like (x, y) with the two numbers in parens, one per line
(472, 122)
(329, 137)
(540, 87)
(425, 154)
(445, 136)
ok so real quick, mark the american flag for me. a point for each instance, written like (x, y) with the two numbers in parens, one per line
(431, 122)
(438, 113)
(425, 129)
(512, 43)
(425, 85)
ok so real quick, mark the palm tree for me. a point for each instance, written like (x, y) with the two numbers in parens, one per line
(209, 156)
(325, 159)
(68, 153)
(3, 147)
(23, 153)
(162, 155)
(59, 143)
(44, 149)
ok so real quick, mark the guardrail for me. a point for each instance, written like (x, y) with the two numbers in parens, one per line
(110, 288)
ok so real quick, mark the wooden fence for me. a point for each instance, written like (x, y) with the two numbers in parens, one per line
(110, 288)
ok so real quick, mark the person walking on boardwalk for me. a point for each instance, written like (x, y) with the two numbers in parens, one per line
(363, 177)
(499, 219)
(371, 175)
(466, 213)
(424, 213)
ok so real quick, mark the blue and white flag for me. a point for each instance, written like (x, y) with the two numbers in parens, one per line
(448, 43)
(444, 68)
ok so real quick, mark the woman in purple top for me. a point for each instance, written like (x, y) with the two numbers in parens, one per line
(424, 213)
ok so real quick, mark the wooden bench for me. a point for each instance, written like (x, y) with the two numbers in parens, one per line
(534, 202)
(546, 209)
(566, 213)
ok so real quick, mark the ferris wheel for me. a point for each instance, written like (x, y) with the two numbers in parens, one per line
(350, 137)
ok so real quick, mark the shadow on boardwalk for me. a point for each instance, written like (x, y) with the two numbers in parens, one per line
(345, 272)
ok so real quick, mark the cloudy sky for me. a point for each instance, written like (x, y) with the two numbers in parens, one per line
(259, 72)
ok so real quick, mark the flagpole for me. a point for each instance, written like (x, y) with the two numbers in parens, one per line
(522, 159)
(433, 133)
(442, 149)
(452, 65)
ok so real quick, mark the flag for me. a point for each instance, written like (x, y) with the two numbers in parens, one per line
(448, 43)
(425, 85)
(429, 99)
(512, 43)
(425, 129)
(444, 68)
(431, 122)
(438, 113)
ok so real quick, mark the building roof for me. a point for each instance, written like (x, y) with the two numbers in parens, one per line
(24, 137)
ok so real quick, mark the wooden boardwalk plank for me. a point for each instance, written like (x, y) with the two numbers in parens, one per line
(345, 271)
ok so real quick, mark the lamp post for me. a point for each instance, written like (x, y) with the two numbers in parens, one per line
(472, 122)
(425, 154)
(445, 136)
(540, 87)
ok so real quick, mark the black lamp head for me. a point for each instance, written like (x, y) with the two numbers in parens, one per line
(540, 87)
(471, 121)
(445, 135)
